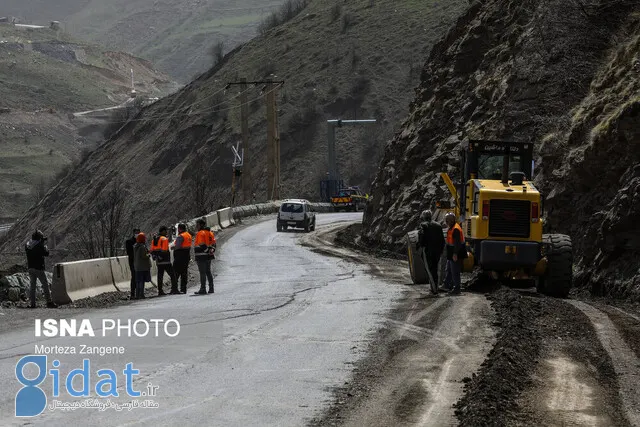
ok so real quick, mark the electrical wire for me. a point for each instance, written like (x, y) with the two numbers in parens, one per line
(205, 110)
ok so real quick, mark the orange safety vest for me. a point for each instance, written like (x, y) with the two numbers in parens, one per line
(163, 245)
(186, 240)
(205, 237)
(450, 234)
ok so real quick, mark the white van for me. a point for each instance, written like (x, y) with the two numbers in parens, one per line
(296, 213)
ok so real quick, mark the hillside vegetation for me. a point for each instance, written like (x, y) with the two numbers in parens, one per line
(44, 77)
(561, 74)
(176, 35)
(339, 60)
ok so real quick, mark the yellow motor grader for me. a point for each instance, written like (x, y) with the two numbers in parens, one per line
(501, 213)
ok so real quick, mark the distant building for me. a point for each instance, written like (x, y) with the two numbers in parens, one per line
(55, 25)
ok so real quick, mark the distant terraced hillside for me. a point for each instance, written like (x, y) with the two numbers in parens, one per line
(176, 35)
(45, 76)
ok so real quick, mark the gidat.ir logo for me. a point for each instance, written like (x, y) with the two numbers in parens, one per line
(31, 399)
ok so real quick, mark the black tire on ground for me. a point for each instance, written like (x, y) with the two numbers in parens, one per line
(313, 227)
(558, 278)
(279, 227)
(307, 226)
(417, 268)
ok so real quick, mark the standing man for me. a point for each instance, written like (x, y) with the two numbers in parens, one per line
(129, 244)
(456, 252)
(204, 249)
(431, 244)
(37, 250)
(182, 256)
(142, 263)
(160, 251)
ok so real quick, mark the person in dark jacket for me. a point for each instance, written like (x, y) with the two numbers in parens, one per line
(181, 256)
(142, 264)
(37, 250)
(431, 241)
(129, 244)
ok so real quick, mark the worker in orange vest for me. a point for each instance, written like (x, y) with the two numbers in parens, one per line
(204, 249)
(456, 252)
(162, 256)
(181, 256)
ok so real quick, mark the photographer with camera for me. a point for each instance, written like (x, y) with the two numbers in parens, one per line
(37, 250)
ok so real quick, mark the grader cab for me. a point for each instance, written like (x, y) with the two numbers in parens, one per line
(501, 213)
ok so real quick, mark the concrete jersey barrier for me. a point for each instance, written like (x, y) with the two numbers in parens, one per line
(225, 217)
(213, 222)
(88, 278)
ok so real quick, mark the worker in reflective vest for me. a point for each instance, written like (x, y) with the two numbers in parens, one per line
(162, 256)
(204, 249)
(456, 252)
(182, 256)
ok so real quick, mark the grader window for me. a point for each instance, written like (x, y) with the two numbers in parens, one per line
(490, 165)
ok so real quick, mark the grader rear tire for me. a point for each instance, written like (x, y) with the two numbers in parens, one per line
(559, 275)
(417, 269)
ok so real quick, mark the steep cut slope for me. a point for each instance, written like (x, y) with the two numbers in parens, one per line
(561, 74)
(45, 76)
(176, 35)
(359, 59)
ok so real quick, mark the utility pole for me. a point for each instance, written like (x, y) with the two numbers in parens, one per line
(273, 138)
(334, 174)
(237, 171)
(273, 143)
(247, 187)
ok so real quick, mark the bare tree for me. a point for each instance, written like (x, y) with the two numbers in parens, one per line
(39, 189)
(108, 224)
(114, 221)
(217, 52)
(200, 184)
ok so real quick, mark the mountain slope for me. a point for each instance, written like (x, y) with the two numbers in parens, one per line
(360, 59)
(45, 76)
(560, 74)
(176, 35)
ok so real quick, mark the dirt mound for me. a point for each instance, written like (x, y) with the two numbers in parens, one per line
(514, 384)
(490, 397)
(556, 73)
(13, 270)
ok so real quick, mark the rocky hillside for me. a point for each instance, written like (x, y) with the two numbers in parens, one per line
(359, 59)
(44, 77)
(562, 74)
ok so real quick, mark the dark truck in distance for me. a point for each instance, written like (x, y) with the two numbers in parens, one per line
(350, 199)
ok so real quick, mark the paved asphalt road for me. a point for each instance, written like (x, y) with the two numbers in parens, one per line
(284, 326)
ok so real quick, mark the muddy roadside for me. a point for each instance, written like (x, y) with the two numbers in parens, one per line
(547, 367)
(413, 369)
(20, 316)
